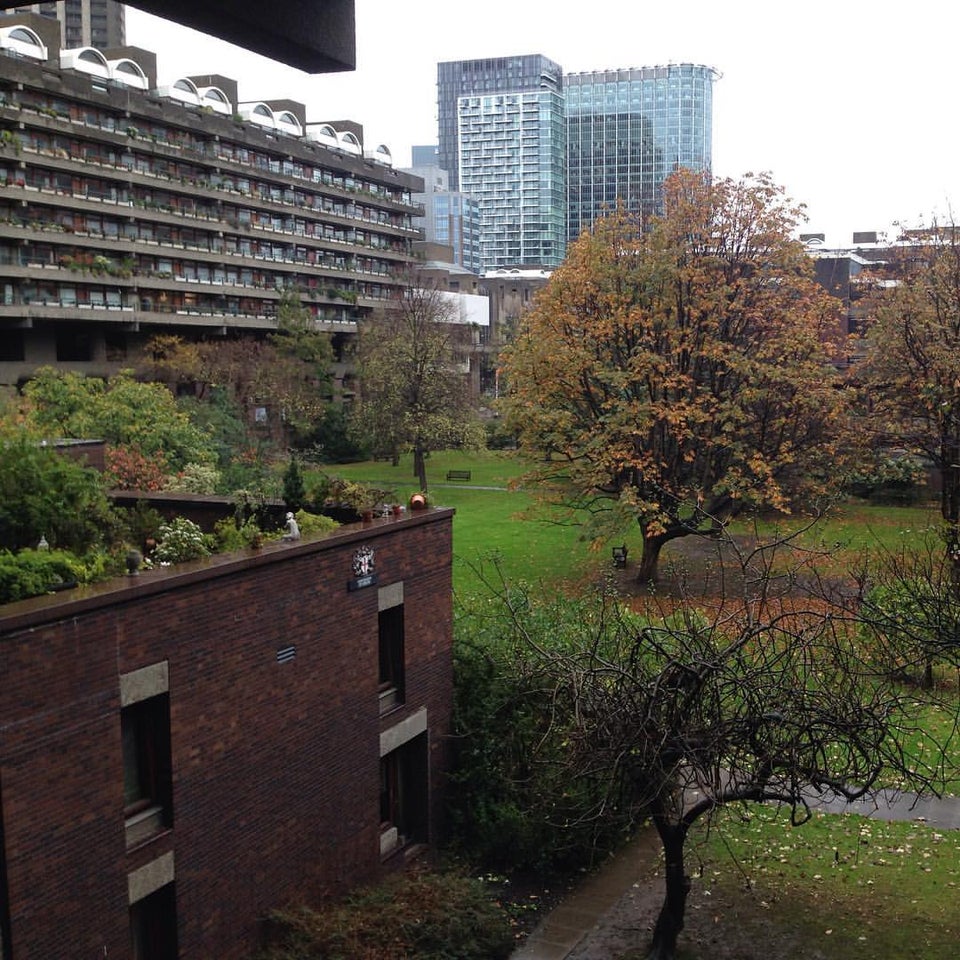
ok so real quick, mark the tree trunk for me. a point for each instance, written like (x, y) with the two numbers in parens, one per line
(420, 467)
(677, 883)
(647, 571)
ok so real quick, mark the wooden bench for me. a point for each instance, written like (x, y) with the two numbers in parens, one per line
(458, 474)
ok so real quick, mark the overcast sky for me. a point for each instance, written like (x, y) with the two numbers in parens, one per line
(851, 106)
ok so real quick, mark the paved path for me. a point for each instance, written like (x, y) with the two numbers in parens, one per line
(570, 921)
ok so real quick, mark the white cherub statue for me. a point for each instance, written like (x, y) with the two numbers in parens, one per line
(293, 531)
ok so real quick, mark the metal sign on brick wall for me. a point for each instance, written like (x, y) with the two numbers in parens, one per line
(364, 571)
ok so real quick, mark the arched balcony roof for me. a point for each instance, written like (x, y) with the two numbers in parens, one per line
(381, 154)
(287, 122)
(184, 90)
(128, 72)
(216, 99)
(85, 60)
(23, 41)
(348, 142)
(258, 113)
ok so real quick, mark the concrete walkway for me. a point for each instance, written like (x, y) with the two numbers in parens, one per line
(571, 920)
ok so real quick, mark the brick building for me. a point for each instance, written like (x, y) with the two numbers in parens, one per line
(183, 750)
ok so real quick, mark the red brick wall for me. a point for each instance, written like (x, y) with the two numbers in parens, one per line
(275, 766)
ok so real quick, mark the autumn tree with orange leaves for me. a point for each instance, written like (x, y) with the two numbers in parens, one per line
(677, 371)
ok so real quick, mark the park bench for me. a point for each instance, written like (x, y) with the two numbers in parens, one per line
(620, 556)
(458, 474)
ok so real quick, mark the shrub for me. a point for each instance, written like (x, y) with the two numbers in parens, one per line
(198, 478)
(140, 525)
(507, 813)
(911, 623)
(43, 493)
(893, 480)
(314, 523)
(128, 468)
(418, 915)
(31, 573)
(232, 535)
(180, 540)
(294, 493)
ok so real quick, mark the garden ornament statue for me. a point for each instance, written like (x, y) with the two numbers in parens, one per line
(293, 531)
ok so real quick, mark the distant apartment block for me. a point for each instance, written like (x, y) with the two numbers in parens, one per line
(84, 23)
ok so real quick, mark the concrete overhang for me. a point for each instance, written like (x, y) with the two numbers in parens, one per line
(317, 36)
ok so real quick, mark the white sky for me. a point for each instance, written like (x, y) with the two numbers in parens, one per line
(851, 106)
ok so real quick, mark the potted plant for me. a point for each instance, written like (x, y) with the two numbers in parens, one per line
(361, 497)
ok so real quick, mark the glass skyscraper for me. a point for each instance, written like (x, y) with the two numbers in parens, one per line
(627, 130)
(502, 140)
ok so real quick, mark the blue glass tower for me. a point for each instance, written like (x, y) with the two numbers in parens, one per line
(627, 130)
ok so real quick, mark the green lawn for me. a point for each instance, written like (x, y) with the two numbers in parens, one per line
(488, 521)
(859, 889)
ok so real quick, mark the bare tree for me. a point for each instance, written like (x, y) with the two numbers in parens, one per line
(413, 394)
(912, 372)
(682, 710)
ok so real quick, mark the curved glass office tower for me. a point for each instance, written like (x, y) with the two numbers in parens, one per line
(627, 130)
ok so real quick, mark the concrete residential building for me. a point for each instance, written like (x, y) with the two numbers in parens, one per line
(502, 140)
(132, 208)
(628, 130)
(83, 23)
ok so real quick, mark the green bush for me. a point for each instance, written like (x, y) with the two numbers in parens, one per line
(197, 478)
(31, 573)
(910, 624)
(507, 812)
(314, 523)
(180, 540)
(231, 536)
(891, 480)
(417, 915)
(46, 494)
(294, 494)
(139, 525)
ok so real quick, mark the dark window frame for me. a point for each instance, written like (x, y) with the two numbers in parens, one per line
(153, 925)
(391, 677)
(147, 770)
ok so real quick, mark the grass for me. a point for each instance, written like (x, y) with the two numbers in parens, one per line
(488, 520)
(855, 887)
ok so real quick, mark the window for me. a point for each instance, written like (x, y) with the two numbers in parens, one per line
(391, 673)
(147, 794)
(404, 809)
(153, 925)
